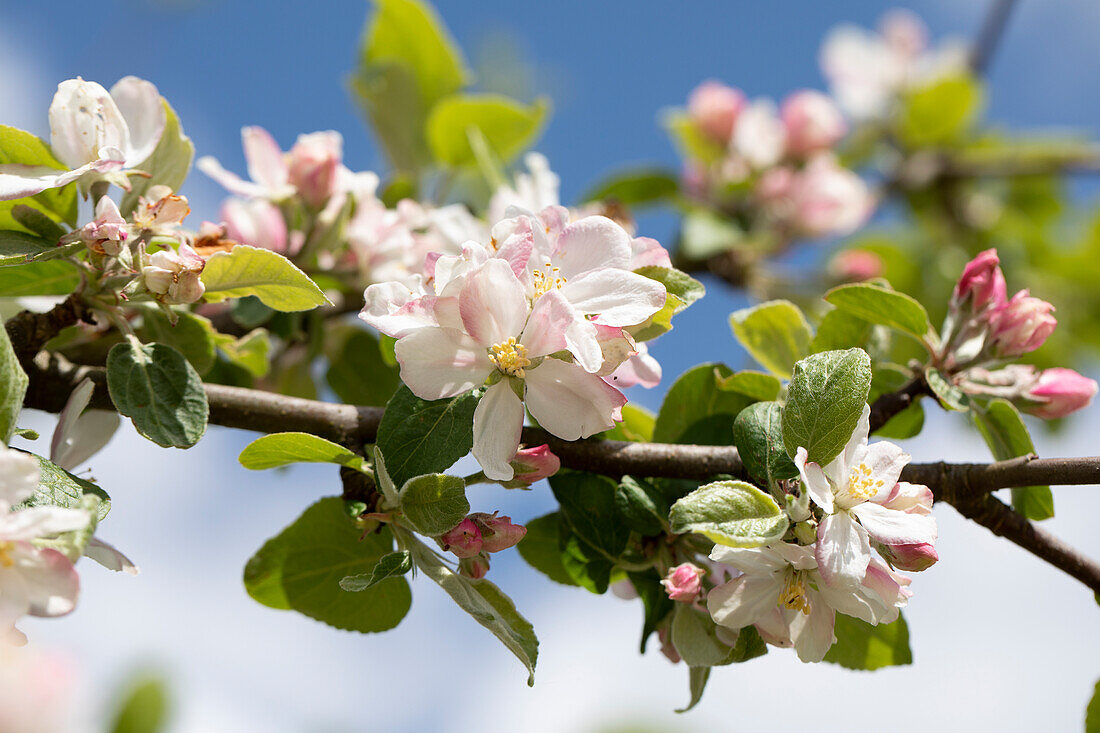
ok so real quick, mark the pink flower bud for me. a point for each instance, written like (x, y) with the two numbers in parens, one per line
(474, 567)
(829, 199)
(812, 121)
(1058, 393)
(464, 540)
(106, 234)
(1022, 324)
(855, 265)
(313, 163)
(982, 278)
(683, 582)
(175, 276)
(714, 108)
(913, 558)
(534, 464)
(256, 222)
(497, 533)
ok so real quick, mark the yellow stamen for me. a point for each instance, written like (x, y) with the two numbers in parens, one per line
(547, 278)
(510, 357)
(794, 595)
(861, 485)
(5, 554)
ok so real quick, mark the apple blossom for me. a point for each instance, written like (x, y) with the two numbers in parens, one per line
(683, 582)
(266, 167)
(160, 211)
(982, 281)
(81, 434)
(497, 533)
(313, 163)
(1021, 325)
(464, 540)
(856, 265)
(812, 122)
(713, 108)
(533, 191)
(852, 490)
(256, 222)
(174, 276)
(36, 690)
(534, 464)
(1059, 392)
(759, 136)
(829, 199)
(97, 134)
(106, 234)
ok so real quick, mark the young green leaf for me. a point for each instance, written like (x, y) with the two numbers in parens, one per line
(192, 335)
(704, 234)
(58, 487)
(1007, 437)
(731, 513)
(357, 372)
(249, 352)
(144, 708)
(156, 387)
(22, 148)
(876, 304)
(655, 601)
(775, 333)
(758, 435)
(392, 565)
(940, 112)
(755, 385)
(949, 395)
(13, 386)
(589, 508)
(283, 449)
(697, 410)
(421, 437)
(642, 507)
(859, 645)
(272, 278)
(827, 394)
(507, 125)
(681, 290)
(636, 426)
(434, 503)
(695, 637)
(19, 248)
(48, 277)
(697, 683)
(636, 188)
(541, 547)
(840, 330)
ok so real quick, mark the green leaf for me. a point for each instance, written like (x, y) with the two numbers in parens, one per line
(249, 352)
(40, 224)
(586, 566)
(859, 645)
(301, 569)
(949, 395)
(906, 424)
(840, 330)
(50, 277)
(159, 390)
(357, 372)
(421, 437)
(655, 601)
(697, 409)
(636, 187)
(541, 548)
(144, 708)
(705, 234)
(58, 487)
(681, 290)
(168, 164)
(636, 426)
(826, 397)
(695, 637)
(641, 506)
(434, 503)
(269, 276)
(13, 386)
(731, 513)
(940, 112)
(393, 565)
(589, 508)
(485, 602)
(758, 435)
(508, 126)
(1092, 714)
(22, 148)
(19, 248)
(283, 449)
(192, 335)
(690, 142)
(754, 385)
(1007, 437)
(886, 307)
(697, 683)
(388, 95)
(775, 333)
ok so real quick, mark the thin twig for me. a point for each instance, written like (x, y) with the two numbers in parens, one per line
(989, 38)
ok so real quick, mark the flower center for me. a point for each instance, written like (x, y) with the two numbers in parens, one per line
(794, 595)
(547, 278)
(862, 485)
(510, 357)
(6, 559)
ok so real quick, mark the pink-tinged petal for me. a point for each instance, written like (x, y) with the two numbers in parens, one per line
(640, 369)
(256, 222)
(492, 303)
(886, 461)
(516, 250)
(397, 311)
(230, 181)
(19, 476)
(141, 107)
(617, 297)
(745, 600)
(84, 119)
(852, 602)
(546, 327)
(109, 557)
(895, 528)
(812, 633)
(440, 362)
(498, 421)
(842, 550)
(51, 581)
(648, 252)
(582, 341)
(266, 164)
(593, 243)
(569, 402)
(753, 561)
(907, 497)
(773, 628)
(20, 181)
(813, 478)
(41, 521)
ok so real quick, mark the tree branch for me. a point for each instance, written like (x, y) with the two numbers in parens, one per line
(891, 403)
(989, 37)
(28, 331)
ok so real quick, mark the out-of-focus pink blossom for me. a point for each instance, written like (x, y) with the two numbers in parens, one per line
(714, 108)
(256, 222)
(535, 464)
(464, 540)
(312, 165)
(856, 265)
(35, 691)
(683, 582)
(1022, 324)
(497, 533)
(812, 121)
(829, 199)
(983, 280)
(1058, 393)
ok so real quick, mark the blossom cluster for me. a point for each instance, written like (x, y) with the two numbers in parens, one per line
(774, 167)
(985, 328)
(540, 315)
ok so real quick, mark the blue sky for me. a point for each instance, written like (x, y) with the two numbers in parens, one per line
(191, 520)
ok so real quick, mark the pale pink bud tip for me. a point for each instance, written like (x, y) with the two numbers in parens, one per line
(683, 582)
(313, 164)
(464, 540)
(983, 278)
(475, 567)
(535, 464)
(812, 121)
(1022, 324)
(714, 108)
(1060, 392)
(498, 533)
(913, 558)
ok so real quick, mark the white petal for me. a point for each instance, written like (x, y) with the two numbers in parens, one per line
(498, 421)
(582, 341)
(812, 633)
(41, 521)
(842, 550)
(892, 527)
(854, 447)
(744, 600)
(547, 325)
(395, 310)
(51, 581)
(886, 461)
(754, 560)
(773, 628)
(84, 119)
(93, 430)
(141, 107)
(109, 557)
(266, 164)
(569, 402)
(592, 243)
(19, 181)
(492, 303)
(441, 362)
(813, 478)
(19, 476)
(618, 297)
(233, 183)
